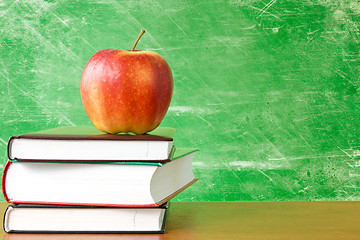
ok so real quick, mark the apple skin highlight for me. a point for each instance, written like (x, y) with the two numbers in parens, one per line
(126, 91)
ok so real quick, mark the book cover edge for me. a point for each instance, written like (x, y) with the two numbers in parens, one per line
(98, 136)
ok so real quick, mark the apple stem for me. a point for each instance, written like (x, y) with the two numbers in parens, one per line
(138, 38)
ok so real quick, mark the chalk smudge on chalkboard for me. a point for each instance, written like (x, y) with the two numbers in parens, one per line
(263, 10)
(259, 165)
(352, 153)
(192, 110)
(40, 37)
(3, 142)
(172, 19)
(122, 10)
(89, 44)
(195, 111)
(266, 175)
(198, 164)
(62, 20)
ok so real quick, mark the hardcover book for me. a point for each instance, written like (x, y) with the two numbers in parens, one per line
(22, 218)
(89, 144)
(98, 184)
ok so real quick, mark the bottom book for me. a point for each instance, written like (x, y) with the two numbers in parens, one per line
(26, 218)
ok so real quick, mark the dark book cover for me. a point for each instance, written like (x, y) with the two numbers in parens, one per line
(91, 133)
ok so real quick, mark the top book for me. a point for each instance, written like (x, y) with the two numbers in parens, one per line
(88, 144)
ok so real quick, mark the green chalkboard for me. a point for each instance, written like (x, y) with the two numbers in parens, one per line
(267, 90)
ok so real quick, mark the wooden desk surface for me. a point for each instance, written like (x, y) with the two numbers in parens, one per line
(242, 220)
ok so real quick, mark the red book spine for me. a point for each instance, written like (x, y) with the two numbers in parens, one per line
(7, 165)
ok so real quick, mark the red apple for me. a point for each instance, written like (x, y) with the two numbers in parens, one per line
(126, 91)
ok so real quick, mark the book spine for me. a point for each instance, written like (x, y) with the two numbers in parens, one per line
(6, 218)
(9, 147)
(3, 180)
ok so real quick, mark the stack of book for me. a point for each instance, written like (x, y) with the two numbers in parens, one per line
(77, 179)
